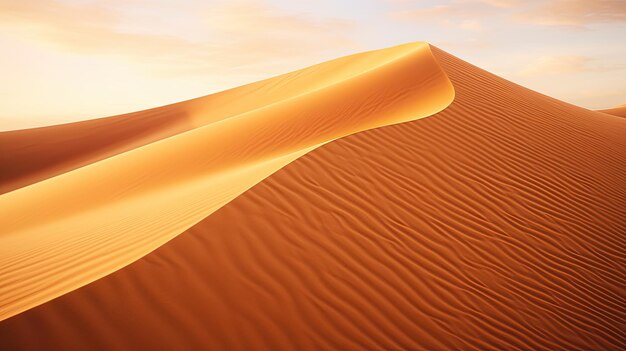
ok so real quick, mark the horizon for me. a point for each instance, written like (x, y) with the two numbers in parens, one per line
(75, 60)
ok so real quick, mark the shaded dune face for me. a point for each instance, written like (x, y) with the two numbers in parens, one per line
(496, 224)
(32, 155)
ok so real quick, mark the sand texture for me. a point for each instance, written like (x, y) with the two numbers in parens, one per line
(71, 229)
(494, 224)
(616, 111)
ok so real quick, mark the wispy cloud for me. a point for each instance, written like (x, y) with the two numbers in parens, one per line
(576, 13)
(467, 15)
(502, 3)
(79, 27)
(447, 11)
(232, 33)
(566, 64)
(258, 31)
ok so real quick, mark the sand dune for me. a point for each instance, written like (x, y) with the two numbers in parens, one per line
(616, 111)
(54, 150)
(496, 224)
(68, 230)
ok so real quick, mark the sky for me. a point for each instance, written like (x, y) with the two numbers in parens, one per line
(69, 60)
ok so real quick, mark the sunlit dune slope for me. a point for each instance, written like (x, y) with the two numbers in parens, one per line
(616, 111)
(70, 229)
(32, 155)
(497, 224)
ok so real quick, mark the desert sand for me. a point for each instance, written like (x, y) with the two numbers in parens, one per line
(71, 229)
(496, 223)
(616, 111)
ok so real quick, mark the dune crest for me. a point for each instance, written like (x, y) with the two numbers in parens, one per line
(619, 111)
(497, 224)
(54, 150)
(62, 231)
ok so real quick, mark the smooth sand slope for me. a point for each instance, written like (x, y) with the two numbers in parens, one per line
(70, 229)
(616, 111)
(497, 224)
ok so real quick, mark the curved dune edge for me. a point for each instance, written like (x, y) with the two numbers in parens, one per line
(619, 111)
(55, 150)
(496, 225)
(71, 229)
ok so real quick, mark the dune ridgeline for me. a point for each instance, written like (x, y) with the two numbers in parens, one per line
(320, 210)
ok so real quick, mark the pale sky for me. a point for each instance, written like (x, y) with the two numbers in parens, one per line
(70, 60)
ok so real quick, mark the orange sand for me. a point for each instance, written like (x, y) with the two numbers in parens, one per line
(496, 224)
(71, 229)
(616, 111)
